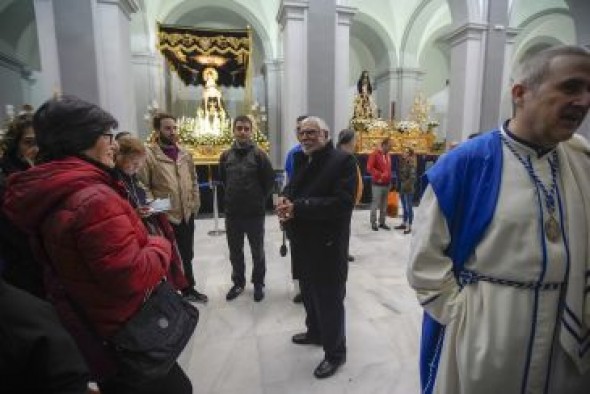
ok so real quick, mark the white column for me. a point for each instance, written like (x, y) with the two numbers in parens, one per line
(409, 83)
(466, 80)
(385, 89)
(148, 81)
(115, 77)
(342, 111)
(292, 18)
(272, 71)
(49, 75)
(506, 98)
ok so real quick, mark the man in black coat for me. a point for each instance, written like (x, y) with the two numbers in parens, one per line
(316, 208)
(248, 178)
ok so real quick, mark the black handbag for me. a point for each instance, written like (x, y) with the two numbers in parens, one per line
(149, 344)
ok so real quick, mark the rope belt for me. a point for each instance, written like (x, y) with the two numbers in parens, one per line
(467, 277)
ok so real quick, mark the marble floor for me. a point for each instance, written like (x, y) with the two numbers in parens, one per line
(243, 347)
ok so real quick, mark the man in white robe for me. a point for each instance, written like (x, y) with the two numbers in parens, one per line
(500, 257)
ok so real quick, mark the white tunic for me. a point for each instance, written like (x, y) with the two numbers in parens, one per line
(499, 339)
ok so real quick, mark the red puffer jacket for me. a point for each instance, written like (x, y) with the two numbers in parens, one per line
(379, 166)
(99, 246)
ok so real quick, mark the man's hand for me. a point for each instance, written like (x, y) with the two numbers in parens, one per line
(284, 209)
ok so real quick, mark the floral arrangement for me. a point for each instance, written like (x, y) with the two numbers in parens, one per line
(360, 124)
(379, 123)
(406, 126)
(186, 136)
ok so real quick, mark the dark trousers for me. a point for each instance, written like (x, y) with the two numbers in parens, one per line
(185, 238)
(324, 308)
(253, 228)
(176, 382)
(408, 207)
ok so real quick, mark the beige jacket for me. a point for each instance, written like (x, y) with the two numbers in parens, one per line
(165, 178)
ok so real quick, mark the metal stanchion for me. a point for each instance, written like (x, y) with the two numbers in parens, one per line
(216, 231)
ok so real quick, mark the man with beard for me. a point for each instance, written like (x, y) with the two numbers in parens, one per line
(170, 173)
(500, 258)
(316, 208)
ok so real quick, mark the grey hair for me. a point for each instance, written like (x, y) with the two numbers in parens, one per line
(319, 122)
(533, 70)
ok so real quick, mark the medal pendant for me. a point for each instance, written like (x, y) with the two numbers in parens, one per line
(552, 230)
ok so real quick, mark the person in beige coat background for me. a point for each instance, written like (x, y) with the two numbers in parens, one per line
(170, 173)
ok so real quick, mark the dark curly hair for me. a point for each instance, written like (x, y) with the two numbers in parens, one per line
(15, 132)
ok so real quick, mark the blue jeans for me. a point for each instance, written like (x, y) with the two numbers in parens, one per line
(407, 205)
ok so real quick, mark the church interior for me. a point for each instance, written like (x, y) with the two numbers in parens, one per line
(425, 73)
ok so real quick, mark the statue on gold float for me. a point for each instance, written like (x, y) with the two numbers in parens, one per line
(414, 133)
(364, 104)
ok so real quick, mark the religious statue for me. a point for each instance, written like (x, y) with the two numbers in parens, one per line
(364, 104)
(212, 116)
(210, 91)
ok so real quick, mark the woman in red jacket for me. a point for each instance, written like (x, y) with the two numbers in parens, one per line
(81, 225)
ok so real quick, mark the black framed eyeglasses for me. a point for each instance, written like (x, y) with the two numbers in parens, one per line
(110, 135)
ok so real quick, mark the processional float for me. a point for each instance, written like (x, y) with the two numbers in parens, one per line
(417, 132)
(212, 59)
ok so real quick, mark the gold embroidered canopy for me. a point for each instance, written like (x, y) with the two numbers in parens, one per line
(190, 51)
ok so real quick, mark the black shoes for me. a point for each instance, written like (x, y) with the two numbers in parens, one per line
(304, 339)
(350, 258)
(384, 227)
(298, 299)
(400, 227)
(234, 292)
(327, 368)
(409, 230)
(374, 227)
(258, 293)
(192, 295)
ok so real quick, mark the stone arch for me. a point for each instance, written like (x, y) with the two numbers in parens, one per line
(370, 33)
(553, 26)
(436, 42)
(374, 36)
(428, 17)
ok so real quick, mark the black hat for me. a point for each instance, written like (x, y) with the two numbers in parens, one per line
(66, 126)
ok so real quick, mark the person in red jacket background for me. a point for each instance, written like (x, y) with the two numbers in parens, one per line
(96, 251)
(379, 166)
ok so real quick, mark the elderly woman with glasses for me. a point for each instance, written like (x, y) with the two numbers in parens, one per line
(100, 260)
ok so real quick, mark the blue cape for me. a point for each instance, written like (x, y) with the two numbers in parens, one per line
(466, 182)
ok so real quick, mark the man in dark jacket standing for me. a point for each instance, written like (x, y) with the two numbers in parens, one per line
(248, 178)
(316, 209)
